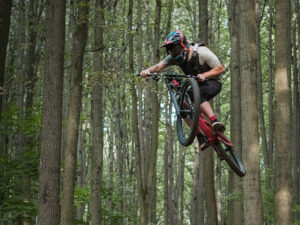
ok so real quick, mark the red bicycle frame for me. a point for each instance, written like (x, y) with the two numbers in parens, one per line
(210, 134)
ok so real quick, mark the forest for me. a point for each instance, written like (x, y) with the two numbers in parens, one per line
(86, 141)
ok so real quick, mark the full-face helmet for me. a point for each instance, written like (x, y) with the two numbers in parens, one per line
(176, 45)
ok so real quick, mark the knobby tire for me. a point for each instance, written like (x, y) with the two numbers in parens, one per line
(231, 157)
(185, 103)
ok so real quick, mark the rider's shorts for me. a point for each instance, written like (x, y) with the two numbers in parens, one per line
(209, 89)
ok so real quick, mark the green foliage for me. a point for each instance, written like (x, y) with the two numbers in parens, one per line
(16, 161)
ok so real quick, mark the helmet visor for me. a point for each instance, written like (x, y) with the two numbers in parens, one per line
(174, 50)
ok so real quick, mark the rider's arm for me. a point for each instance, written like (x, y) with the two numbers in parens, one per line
(216, 71)
(208, 57)
(155, 68)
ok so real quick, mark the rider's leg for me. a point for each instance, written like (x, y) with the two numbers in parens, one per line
(203, 143)
(206, 108)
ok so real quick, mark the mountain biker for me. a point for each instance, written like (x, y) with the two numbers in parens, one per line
(198, 60)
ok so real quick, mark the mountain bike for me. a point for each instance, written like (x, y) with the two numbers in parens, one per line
(185, 95)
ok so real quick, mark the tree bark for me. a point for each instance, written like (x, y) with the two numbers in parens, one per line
(82, 170)
(49, 172)
(30, 81)
(259, 17)
(283, 192)
(5, 10)
(67, 77)
(248, 61)
(209, 187)
(80, 39)
(203, 21)
(181, 183)
(270, 98)
(197, 200)
(97, 118)
(296, 111)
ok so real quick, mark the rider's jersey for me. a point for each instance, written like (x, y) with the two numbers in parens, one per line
(201, 60)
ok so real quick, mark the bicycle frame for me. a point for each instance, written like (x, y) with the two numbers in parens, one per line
(204, 125)
(212, 136)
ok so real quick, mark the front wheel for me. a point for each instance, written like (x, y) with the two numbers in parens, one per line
(189, 106)
(228, 154)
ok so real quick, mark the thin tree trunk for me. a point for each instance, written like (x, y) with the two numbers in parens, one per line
(283, 192)
(30, 80)
(20, 64)
(197, 205)
(207, 159)
(209, 187)
(171, 201)
(169, 18)
(259, 17)
(203, 21)
(97, 119)
(5, 10)
(19, 151)
(270, 99)
(81, 178)
(296, 156)
(49, 172)
(166, 168)
(219, 170)
(181, 183)
(296, 111)
(80, 39)
(248, 61)
(67, 77)
(155, 118)
(110, 203)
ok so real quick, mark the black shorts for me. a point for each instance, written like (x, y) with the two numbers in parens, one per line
(209, 89)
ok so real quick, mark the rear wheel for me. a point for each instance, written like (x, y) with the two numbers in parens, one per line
(189, 104)
(228, 154)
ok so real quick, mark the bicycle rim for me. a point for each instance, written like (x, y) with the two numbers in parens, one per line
(231, 157)
(190, 111)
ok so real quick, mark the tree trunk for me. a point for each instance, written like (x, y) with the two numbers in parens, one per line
(203, 21)
(155, 118)
(169, 18)
(82, 170)
(19, 151)
(296, 170)
(283, 192)
(259, 17)
(97, 119)
(296, 111)
(181, 183)
(170, 199)
(197, 205)
(20, 64)
(271, 98)
(209, 187)
(30, 81)
(67, 77)
(5, 10)
(80, 39)
(166, 168)
(49, 171)
(248, 62)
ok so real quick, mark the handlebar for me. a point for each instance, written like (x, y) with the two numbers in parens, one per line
(156, 76)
